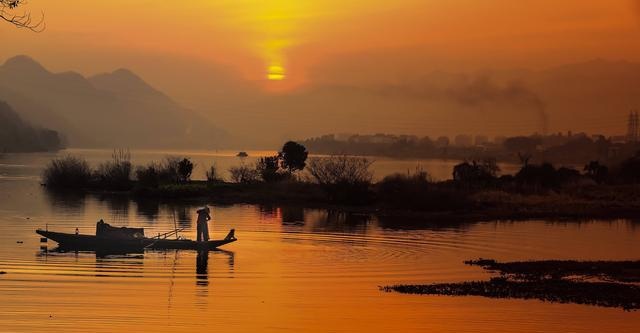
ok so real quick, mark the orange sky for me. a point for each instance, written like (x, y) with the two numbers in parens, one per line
(217, 56)
(301, 36)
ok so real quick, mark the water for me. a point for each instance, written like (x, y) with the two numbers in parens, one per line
(292, 269)
(223, 160)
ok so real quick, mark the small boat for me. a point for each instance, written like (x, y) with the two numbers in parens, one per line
(123, 239)
(242, 154)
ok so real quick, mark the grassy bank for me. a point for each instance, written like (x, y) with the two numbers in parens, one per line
(445, 203)
(476, 192)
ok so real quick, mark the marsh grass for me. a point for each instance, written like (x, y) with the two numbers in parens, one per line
(116, 174)
(213, 176)
(69, 172)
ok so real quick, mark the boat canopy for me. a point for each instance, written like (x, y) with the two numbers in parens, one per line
(105, 230)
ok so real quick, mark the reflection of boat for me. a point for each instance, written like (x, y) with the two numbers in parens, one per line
(242, 154)
(129, 239)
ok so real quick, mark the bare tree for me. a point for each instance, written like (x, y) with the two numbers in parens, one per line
(9, 13)
(340, 169)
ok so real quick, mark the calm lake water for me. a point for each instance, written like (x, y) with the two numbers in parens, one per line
(292, 269)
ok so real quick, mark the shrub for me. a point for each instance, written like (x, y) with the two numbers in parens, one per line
(475, 172)
(403, 189)
(545, 176)
(67, 172)
(269, 169)
(148, 176)
(212, 175)
(173, 170)
(116, 174)
(540, 176)
(168, 171)
(416, 192)
(346, 179)
(596, 171)
(629, 170)
(244, 174)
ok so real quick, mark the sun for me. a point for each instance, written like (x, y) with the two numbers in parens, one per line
(275, 73)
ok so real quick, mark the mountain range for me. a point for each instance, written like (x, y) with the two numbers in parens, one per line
(120, 109)
(117, 109)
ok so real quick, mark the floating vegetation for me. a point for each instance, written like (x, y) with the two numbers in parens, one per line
(599, 283)
(618, 271)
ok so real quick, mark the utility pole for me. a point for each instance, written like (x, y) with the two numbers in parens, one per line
(633, 127)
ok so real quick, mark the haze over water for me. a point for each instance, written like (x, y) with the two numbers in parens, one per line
(292, 268)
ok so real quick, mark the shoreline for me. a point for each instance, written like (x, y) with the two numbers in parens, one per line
(484, 205)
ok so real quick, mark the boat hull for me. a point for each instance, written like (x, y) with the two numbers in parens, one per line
(95, 243)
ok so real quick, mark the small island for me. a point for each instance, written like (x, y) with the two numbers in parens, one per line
(341, 182)
(599, 283)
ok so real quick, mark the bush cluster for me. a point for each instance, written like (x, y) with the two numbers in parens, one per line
(72, 172)
(68, 172)
(270, 169)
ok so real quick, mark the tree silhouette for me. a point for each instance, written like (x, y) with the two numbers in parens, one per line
(294, 156)
(596, 171)
(269, 169)
(473, 172)
(185, 168)
(8, 13)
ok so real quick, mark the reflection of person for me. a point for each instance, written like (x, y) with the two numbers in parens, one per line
(202, 264)
(202, 227)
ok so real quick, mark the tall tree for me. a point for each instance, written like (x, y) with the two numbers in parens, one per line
(294, 156)
(185, 168)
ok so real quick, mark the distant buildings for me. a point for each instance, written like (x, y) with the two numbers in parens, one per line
(442, 142)
(481, 140)
(462, 140)
(558, 147)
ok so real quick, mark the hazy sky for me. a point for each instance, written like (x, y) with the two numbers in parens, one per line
(301, 36)
(196, 49)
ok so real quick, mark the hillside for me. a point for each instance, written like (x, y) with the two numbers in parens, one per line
(116, 109)
(16, 135)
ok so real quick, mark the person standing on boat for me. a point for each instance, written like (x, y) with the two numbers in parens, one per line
(202, 224)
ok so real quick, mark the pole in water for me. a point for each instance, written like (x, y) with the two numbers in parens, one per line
(175, 224)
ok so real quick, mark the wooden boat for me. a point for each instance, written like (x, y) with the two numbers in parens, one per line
(123, 239)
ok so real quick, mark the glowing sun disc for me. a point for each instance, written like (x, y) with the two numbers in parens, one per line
(275, 73)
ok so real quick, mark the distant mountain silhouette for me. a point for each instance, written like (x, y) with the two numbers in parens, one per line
(126, 83)
(115, 109)
(593, 96)
(16, 135)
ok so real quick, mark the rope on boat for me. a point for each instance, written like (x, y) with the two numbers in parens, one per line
(164, 236)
